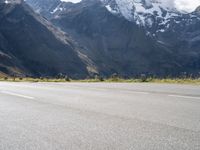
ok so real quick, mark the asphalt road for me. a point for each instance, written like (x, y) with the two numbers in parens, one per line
(99, 116)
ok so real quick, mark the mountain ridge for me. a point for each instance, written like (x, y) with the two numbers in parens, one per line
(94, 38)
(40, 48)
(95, 23)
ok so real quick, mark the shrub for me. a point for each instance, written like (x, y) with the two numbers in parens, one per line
(67, 78)
(143, 77)
(114, 77)
(99, 78)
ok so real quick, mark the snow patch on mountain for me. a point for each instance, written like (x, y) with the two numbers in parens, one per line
(114, 11)
(12, 1)
(73, 1)
(144, 12)
(58, 8)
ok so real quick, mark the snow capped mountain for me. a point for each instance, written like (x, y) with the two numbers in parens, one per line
(129, 37)
(141, 11)
(146, 13)
(154, 15)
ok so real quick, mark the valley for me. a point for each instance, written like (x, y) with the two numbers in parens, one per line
(99, 37)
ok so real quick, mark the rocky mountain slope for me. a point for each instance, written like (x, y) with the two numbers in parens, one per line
(44, 7)
(131, 37)
(30, 45)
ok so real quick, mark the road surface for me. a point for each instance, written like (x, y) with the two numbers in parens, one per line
(99, 116)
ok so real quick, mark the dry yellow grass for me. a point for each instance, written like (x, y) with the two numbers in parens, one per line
(110, 80)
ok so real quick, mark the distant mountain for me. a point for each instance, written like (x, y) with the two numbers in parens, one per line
(197, 11)
(30, 45)
(130, 37)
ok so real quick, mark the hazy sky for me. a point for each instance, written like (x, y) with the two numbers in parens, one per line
(185, 5)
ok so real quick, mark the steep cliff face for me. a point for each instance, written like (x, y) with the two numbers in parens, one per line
(31, 45)
(44, 7)
(131, 37)
(114, 43)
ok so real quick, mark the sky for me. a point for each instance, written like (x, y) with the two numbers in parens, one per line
(187, 5)
(183, 5)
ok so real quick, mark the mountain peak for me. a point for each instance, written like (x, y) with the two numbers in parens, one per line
(198, 9)
(143, 12)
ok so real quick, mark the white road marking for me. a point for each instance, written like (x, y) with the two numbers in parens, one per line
(16, 94)
(187, 97)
